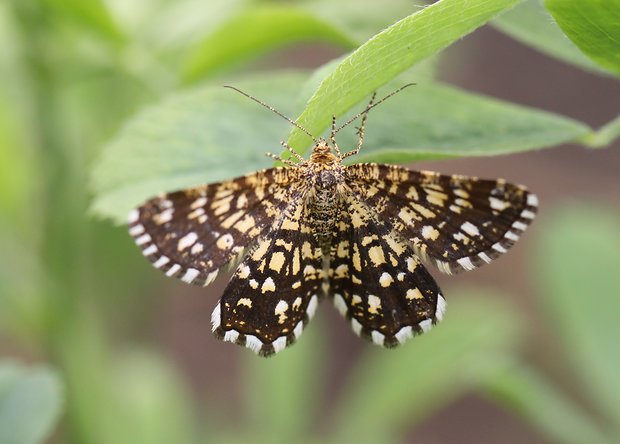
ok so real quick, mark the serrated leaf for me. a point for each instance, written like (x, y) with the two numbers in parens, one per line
(531, 24)
(592, 25)
(253, 32)
(389, 53)
(578, 268)
(30, 403)
(400, 387)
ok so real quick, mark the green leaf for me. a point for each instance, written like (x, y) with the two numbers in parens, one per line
(593, 25)
(198, 136)
(578, 265)
(391, 389)
(30, 403)
(523, 391)
(531, 24)
(389, 53)
(425, 71)
(361, 20)
(255, 31)
(431, 120)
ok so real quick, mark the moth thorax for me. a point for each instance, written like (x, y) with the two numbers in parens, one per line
(323, 206)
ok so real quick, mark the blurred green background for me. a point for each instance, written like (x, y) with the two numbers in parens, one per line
(105, 103)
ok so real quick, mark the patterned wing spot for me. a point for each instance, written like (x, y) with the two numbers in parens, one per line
(277, 261)
(268, 285)
(245, 301)
(144, 239)
(232, 219)
(173, 270)
(414, 293)
(435, 197)
(498, 204)
(466, 263)
(149, 251)
(197, 248)
(374, 304)
(280, 311)
(163, 260)
(376, 255)
(190, 275)
(470, 229)
(386, 280)
(429, 232)
(136, 230)
(377, 337)
(247, 225)
(426, 325)
(408, 216)
(225, 242)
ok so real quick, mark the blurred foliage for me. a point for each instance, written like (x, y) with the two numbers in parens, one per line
(533, 25)
(577, 268)
(73, 72)
(253, 32)
(30, 403)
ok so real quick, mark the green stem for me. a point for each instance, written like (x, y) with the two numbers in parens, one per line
(605, 136)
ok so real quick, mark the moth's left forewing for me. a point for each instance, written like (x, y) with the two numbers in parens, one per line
(455, 222)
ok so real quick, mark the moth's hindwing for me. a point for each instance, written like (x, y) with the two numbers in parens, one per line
(275, 290)
(377, 280)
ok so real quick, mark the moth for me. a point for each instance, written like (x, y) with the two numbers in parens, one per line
(313, 229)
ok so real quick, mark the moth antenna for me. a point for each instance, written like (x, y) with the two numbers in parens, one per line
(371, 106)
(271, 108)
